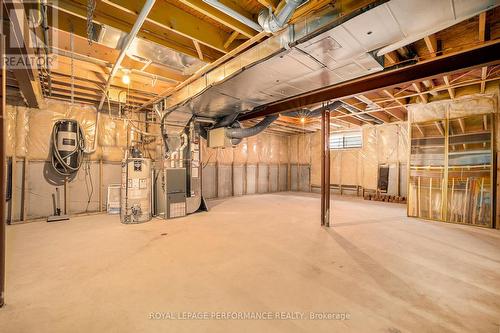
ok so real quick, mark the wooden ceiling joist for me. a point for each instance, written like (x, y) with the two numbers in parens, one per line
(26, 76)
(432, 45)
(451, 91)
(75, 10)
(206, 9)
(362, 107)
(418, 88)
(170, 17)
(482, 27)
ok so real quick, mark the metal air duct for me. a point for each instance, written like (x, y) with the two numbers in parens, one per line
(234, 14)
(240, 133)
(273, 23)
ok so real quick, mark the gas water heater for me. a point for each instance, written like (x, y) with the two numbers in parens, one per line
(135, 188)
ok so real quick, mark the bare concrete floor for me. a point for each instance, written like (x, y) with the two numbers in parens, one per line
(263, 253)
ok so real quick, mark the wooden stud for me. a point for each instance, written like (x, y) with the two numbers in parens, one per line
(421, 93)
(451, 91)
(198, 49)
(431, 43)
(231, 39)
(430, 198)
(392, 58)
(482, 27)
(484, 74)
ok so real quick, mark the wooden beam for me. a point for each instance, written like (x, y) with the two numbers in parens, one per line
(439, 127)
(172, 18)
(231, 39)
(224, 19)
(403, 105)
(267, 4)
(398, 114)
(451, 91)
(461, 123)
(20, 45)
(392, 57)
(98, 74)
(198, 49)
(482, 27)
(419, 129)
(362, 106)
(431, 43)
(109, 55)
(484, 75)
(429, 84)
(75, 10)
(421, 93)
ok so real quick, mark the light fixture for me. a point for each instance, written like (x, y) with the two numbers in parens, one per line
(125, 76)
(302, 119)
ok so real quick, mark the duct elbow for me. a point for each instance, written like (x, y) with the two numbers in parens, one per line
(273, 23)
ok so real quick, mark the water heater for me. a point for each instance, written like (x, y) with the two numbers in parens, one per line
(136, 190)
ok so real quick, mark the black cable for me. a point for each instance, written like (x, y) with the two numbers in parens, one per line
(88, 172)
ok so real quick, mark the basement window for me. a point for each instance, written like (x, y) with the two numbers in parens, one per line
(346, 140)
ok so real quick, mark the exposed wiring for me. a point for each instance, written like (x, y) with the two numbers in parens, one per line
(88, 173)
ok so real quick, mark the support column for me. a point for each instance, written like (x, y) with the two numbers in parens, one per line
(3, 91)
(325, 168)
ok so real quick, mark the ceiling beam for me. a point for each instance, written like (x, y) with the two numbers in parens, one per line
(224, 19)
(482, 27)
(231, 39)
(432, 45)
(484, 75)
(461, 124)
(398, 114)
(109, 55)
(482, 55)
(20, 45)
(198, 49)
(362, 107)
(268, 3)
(451, 91)
(75, 10)
(392, 58)
(170, 17)
(420, 91)
(440, 128)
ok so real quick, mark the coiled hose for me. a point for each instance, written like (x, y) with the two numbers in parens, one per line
(59, 162)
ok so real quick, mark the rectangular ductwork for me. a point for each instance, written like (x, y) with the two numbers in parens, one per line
(300, 59)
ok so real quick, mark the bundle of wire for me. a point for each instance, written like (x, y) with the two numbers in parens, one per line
(61, 163)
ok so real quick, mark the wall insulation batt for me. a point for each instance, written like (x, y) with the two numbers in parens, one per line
(28, 145)
(382, 145)
(258, 164)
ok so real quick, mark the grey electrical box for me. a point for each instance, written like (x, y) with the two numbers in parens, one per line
(217, 138)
